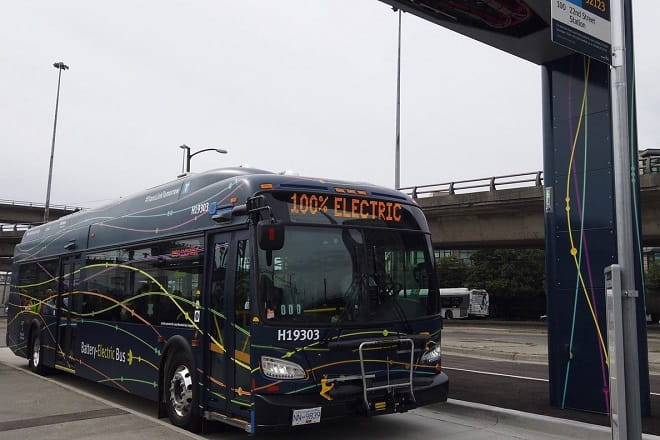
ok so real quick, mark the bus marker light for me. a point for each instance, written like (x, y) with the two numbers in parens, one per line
(273, 388)
(266, 186)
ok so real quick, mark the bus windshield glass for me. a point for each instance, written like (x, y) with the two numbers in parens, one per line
(343, 275)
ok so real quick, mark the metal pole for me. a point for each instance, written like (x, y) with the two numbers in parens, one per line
(186, 158)
(624, 216)
(60, 66)
(397, 160)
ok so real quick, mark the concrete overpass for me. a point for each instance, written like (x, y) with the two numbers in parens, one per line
(504, 211)
(16, 218)
(28, 213)
(507, 211)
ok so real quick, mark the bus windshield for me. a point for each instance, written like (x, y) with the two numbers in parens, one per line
(336, 275)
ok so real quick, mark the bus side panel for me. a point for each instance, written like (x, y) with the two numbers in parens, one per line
(17, 325)
(123, 355)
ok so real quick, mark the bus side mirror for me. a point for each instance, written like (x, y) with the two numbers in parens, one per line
(271, 235)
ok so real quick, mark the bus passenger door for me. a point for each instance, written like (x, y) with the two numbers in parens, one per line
(69, 305)
(241, 374)
(218, 325)
(229, 324)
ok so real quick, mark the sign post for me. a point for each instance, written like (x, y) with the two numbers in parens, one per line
(615, 350)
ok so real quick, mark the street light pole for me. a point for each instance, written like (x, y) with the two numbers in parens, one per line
(187, 156)
(397, 155)
(59, 66)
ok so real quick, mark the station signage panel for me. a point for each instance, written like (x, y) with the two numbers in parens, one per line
(583, 26)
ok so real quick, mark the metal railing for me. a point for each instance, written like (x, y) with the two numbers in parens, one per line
(14, 228)
(648, 165)
(494, 183)
(39, 205)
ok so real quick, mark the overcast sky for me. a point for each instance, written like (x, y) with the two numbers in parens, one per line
(303, 85)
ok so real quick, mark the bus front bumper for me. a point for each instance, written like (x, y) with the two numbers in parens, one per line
(276, 411)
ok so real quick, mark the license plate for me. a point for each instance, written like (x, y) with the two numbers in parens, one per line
(306, 416)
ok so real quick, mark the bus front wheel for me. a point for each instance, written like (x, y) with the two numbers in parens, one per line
(181, 391)
(449, 314)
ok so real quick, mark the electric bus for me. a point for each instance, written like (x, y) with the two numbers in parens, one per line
(258, 299)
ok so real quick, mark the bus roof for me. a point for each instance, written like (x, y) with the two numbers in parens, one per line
(177, 207)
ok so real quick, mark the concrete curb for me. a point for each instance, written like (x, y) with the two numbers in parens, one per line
(554, 425)
(525, 357)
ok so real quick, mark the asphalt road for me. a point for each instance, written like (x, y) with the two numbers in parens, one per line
(501, 383)
(474, 359)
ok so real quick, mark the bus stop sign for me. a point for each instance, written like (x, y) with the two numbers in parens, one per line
(583, 26)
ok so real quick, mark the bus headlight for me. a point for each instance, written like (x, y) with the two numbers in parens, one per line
(280, 369)
(432, 356)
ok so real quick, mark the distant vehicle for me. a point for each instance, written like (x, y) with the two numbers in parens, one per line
(461, 302)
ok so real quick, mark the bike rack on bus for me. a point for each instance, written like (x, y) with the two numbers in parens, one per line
(389, 385)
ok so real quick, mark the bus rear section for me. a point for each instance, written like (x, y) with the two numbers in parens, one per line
(454, 302)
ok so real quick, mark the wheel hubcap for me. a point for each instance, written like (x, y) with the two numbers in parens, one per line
(36, 348)
(181, 390)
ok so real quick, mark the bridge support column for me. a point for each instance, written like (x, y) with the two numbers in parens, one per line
(580, 234)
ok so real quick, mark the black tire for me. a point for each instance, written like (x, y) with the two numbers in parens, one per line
(182, 392)
(449, 314)
(34, 353)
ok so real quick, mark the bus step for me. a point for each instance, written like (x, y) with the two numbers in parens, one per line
(218, 417)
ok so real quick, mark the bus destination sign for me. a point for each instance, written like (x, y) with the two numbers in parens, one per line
(344, 207)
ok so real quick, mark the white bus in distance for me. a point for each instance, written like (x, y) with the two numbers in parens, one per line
(461, 302)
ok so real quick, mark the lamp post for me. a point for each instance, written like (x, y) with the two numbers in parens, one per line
(59, 66)
(187, 155)
(397, 154)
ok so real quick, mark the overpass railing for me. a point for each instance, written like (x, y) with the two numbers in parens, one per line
(14, 228)
(39, 205)
(494, 183)
(648, 165)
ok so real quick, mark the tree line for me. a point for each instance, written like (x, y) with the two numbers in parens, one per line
(515, 280)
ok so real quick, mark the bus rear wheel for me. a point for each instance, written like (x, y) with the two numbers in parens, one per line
(34, 354)
(181, 392)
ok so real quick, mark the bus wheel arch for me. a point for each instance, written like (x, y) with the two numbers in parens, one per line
(179, 389)
(449, 314)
